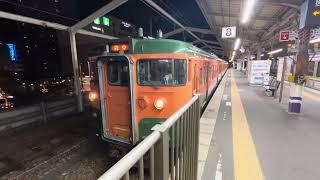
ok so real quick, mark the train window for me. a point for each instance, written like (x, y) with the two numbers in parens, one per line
(200, 76)
(189, 70)
(162, 72)
(118, 73)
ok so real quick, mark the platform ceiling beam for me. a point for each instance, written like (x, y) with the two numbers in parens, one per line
(163, 12)
(207, 41)
(172, 33)
(101, 12)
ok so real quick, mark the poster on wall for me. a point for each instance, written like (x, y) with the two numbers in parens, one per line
(280, 68)
(259, 72)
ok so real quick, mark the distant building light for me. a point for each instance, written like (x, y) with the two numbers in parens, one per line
(12, 51)
(97, 21)
(106, 21)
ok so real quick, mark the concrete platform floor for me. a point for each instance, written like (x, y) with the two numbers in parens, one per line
(255, 138)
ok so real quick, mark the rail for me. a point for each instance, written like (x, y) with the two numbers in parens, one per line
(171, 150)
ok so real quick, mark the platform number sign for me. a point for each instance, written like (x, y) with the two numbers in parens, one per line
(229, 32)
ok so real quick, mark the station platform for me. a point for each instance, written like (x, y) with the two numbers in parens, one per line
(246, 135)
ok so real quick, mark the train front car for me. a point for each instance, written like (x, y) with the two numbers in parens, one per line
(143, 82)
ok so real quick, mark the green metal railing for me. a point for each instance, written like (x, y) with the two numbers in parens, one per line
(169, 152)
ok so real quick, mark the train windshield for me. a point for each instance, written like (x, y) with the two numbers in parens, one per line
(162, 72)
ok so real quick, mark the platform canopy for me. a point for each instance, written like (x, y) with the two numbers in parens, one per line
(267, 19)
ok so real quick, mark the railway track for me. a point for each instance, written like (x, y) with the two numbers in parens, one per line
(58, 151)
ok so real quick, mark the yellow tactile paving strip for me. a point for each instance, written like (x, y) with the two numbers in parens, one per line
(246, 161)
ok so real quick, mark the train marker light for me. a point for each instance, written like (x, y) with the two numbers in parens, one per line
(119, 47)
(159, 104)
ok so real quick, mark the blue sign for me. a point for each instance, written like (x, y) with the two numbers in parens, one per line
(12, 51)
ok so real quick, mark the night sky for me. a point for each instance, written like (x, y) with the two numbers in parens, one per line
(138, 13)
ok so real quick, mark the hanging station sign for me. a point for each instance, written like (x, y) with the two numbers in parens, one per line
(310, 14)
(229, 32)
(287, 36)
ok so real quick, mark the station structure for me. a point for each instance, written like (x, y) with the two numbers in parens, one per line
(261, 122)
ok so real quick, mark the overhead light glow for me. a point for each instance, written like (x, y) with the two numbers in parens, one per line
(275, 51)
(237, 44)
(315, 41)
(247, 11)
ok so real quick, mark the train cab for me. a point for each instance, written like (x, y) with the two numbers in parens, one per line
(142, 82)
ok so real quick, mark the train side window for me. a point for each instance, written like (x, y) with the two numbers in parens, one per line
(200, 76)
(189, 70)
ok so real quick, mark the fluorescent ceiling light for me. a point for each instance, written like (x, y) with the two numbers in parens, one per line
(275, 51)
(315, 41)
(237, 44)
(247, 11)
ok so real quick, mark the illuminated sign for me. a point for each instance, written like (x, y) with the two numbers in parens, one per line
(310, 14)
(125, 24)
(316, 13)
(97, 21)
(106, 21)
(12, 51)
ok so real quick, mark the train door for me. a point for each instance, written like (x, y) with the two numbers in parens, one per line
(207, 79)
(195, 79)
(115, 78)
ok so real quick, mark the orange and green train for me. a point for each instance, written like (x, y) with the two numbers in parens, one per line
(142, 82)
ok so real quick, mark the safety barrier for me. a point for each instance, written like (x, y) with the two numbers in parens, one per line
(171, 150)
(36, 113)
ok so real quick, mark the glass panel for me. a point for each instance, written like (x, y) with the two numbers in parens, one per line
(118, 72)
(310, 68)
(161, 72)
(318, 71)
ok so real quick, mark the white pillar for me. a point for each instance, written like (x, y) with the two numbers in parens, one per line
(75, 65)
(295, 99)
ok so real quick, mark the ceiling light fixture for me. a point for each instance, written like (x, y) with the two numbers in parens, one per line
(275, 51)
(315, 41)
(247, 11)
(237, 44)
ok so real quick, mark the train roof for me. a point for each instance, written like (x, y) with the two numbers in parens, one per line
(165, 46)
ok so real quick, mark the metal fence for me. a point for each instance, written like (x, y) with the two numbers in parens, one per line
(169, 152)
(37, 113)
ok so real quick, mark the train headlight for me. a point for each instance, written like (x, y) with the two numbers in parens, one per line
(93, 96)
(159, 104)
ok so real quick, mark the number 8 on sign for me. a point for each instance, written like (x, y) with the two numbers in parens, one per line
(229, 32)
